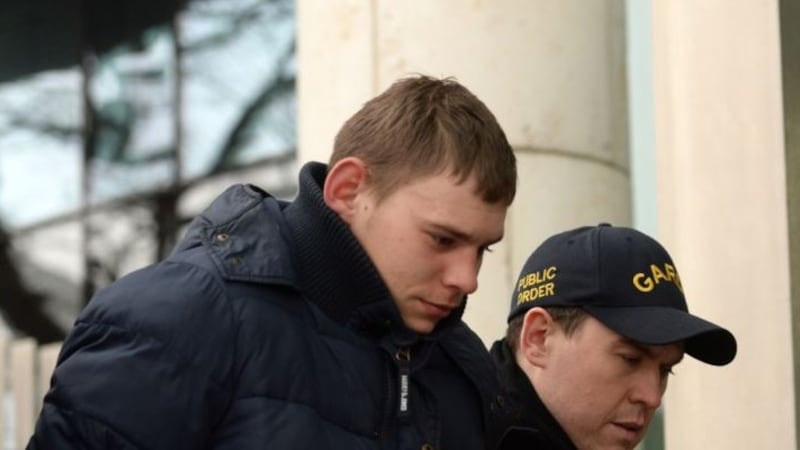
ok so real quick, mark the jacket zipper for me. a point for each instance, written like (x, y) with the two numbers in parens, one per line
(403, 358)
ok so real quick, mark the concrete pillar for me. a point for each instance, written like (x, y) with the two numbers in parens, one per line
(552, 71)
(723, 215)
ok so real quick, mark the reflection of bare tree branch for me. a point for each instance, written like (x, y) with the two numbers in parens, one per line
(113, 128)
(47, 113)
(44, 127)
(21, 307)
(106, 131)
(139, 198)
(272, 89)
(236, 19)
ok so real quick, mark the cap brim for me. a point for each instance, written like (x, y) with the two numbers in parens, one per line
(652, 325)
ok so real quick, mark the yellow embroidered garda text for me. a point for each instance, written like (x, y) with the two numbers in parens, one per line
(646, 282)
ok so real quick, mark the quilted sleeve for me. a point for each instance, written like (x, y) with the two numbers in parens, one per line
(147, 366)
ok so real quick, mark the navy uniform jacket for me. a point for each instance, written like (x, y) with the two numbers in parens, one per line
(521, 421)
(268, 328)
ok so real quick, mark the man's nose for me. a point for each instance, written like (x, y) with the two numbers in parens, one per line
(649, 388)
(462, 273)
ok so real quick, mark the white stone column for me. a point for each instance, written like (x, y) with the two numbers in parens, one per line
(336, 65)
(552, 71)
(722, 214)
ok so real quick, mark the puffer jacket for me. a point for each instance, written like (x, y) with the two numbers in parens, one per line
(268, 328)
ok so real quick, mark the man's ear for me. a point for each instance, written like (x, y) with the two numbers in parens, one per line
(345, 181)
(538, 328)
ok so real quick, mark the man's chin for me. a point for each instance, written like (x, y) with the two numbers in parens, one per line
(421, 326)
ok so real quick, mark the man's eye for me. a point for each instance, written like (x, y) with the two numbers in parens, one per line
(442, 241)
(631, 360)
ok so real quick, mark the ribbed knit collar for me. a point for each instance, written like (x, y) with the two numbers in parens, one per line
(334, 271)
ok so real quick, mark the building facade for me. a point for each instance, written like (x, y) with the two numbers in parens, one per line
(708, 164)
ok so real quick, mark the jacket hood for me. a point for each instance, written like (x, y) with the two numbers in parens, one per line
(246, 236)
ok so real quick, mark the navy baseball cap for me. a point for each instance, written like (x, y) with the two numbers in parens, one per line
(624, 279)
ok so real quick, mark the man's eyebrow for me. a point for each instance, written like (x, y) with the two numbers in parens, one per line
(461, 235)
(649, 351)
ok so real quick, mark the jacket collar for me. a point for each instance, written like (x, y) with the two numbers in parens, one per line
(523, 421)
(334, 270)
